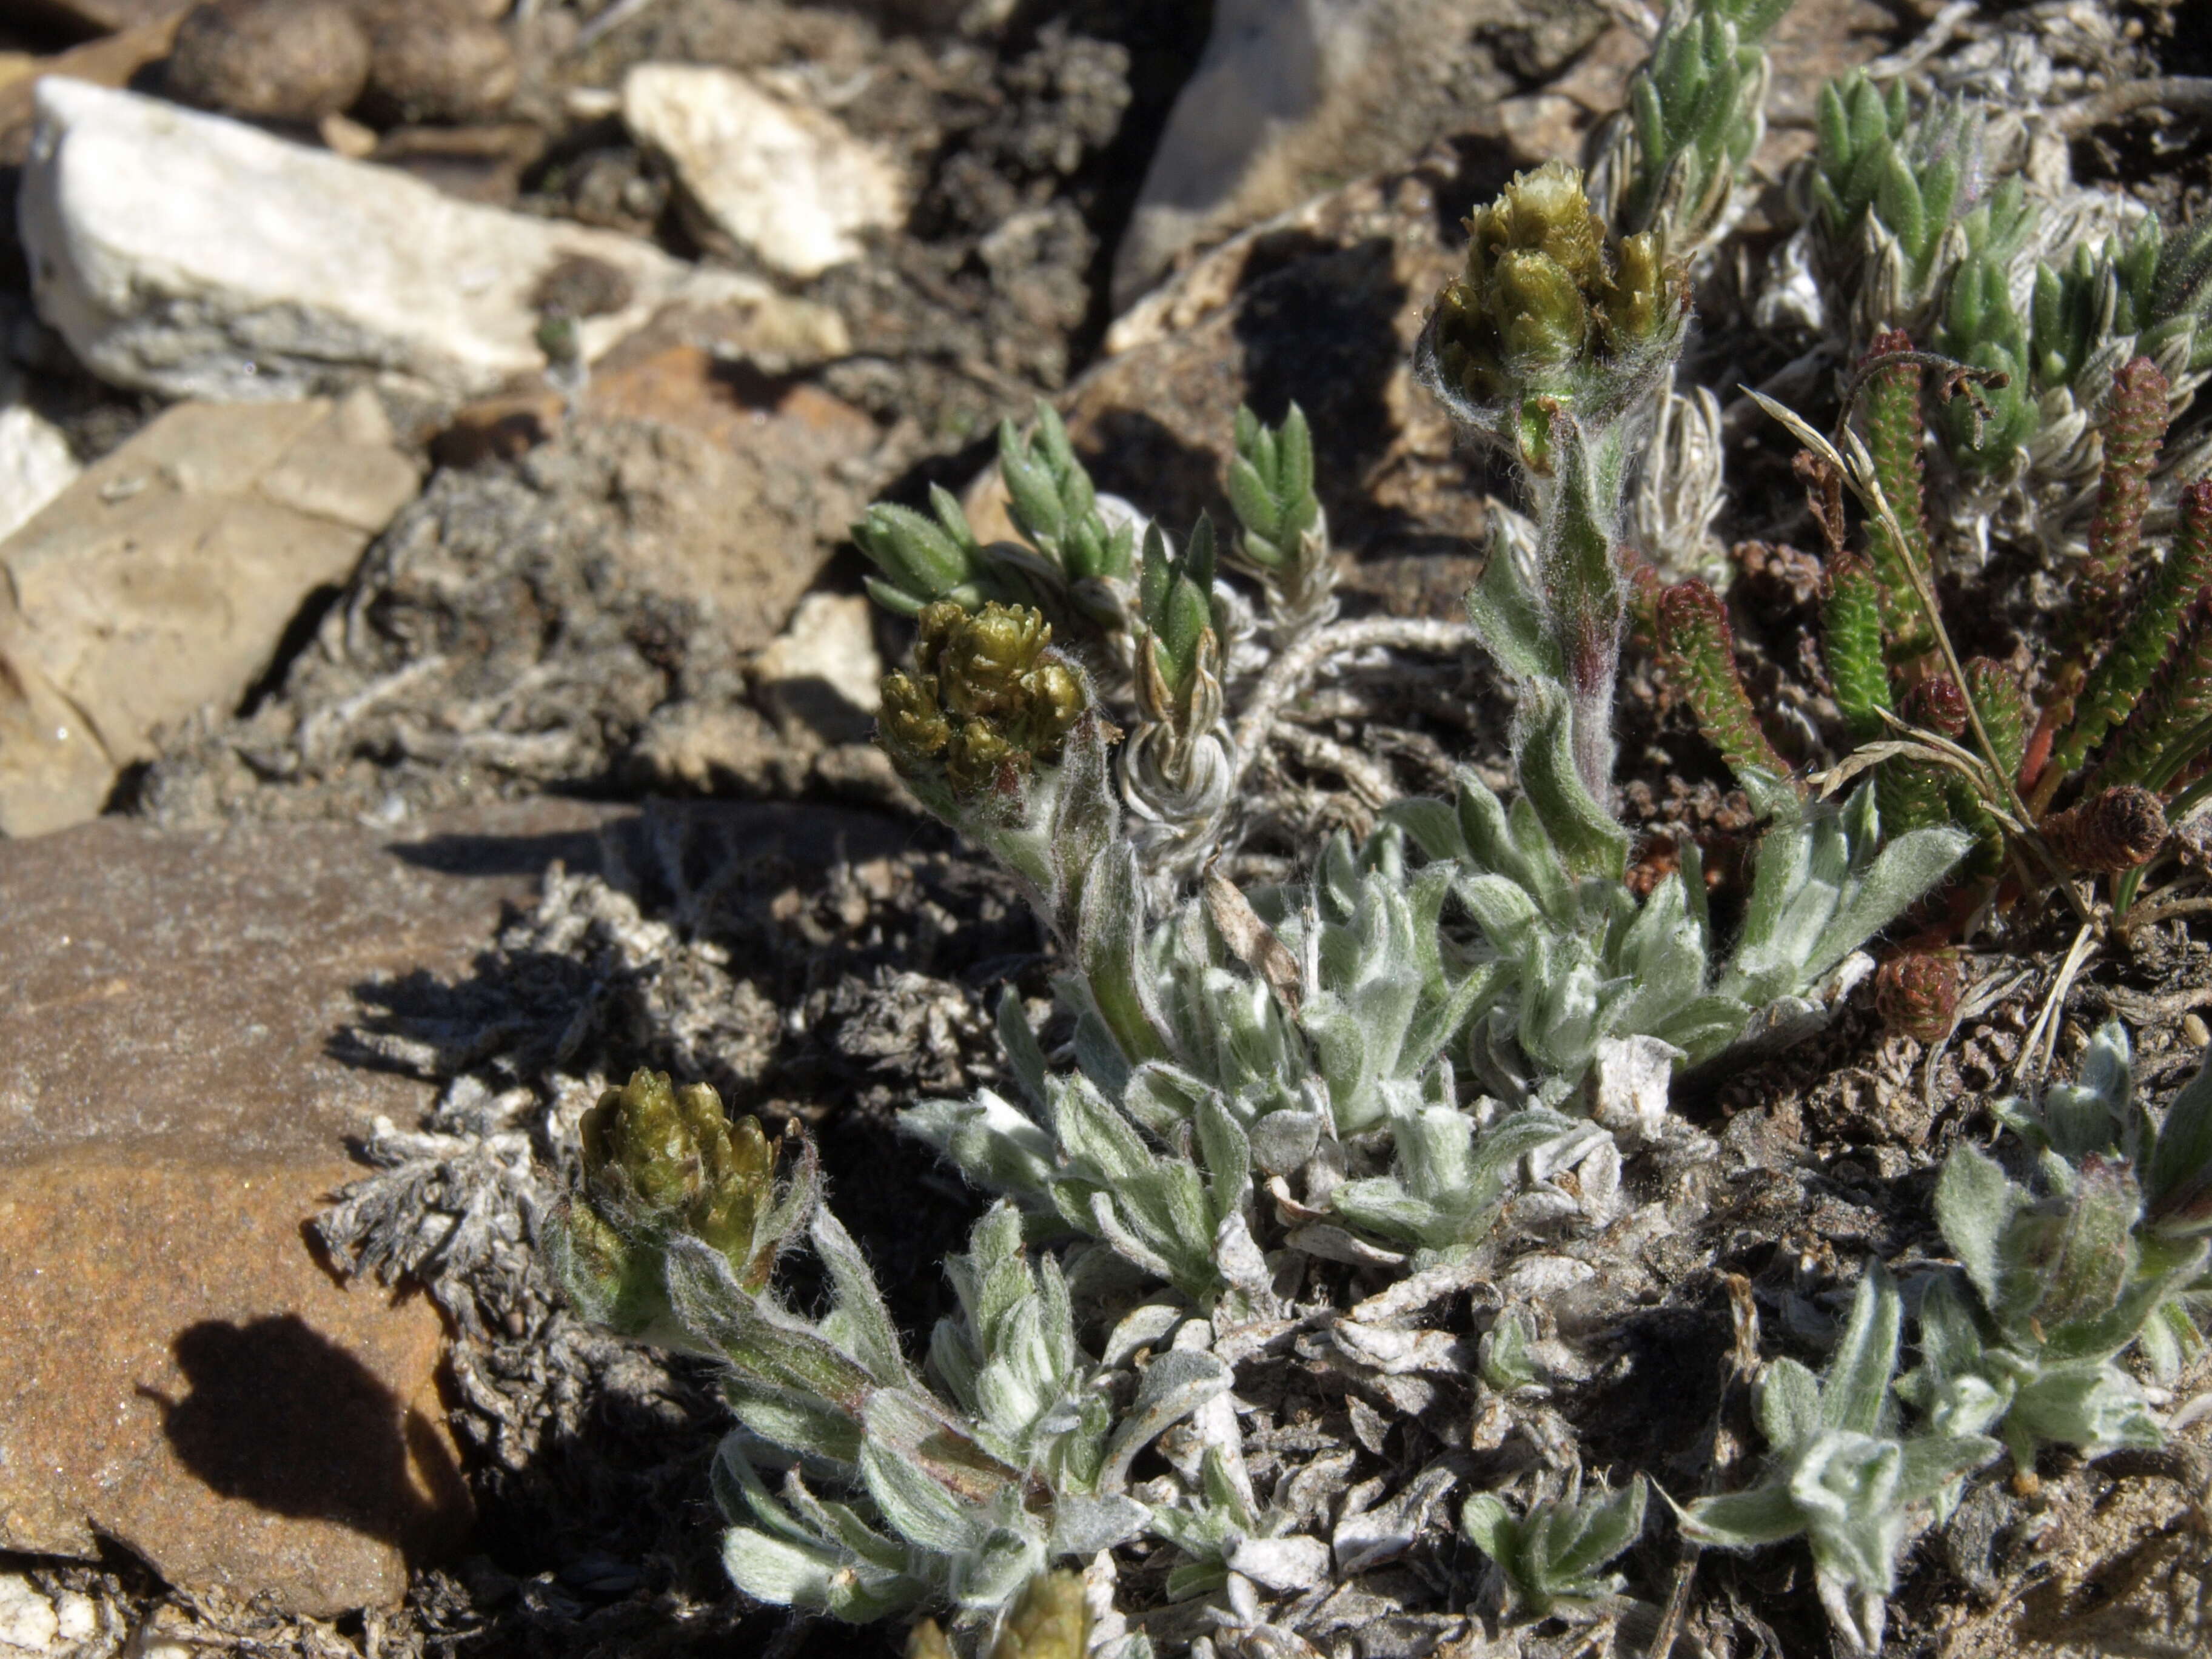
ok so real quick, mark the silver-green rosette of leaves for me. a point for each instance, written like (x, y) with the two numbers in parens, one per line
(1547, 1563)
(1285, 541)
(1844, 1473)
(2104, 294)
(1899, 201)
(1075, 561)
(1179, 765)
(2100, 1249)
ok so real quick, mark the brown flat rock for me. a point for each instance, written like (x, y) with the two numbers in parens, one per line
(183, 1374)
(186, 1379)
(182, 989)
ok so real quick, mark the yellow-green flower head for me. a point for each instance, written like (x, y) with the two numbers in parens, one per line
(1050, 1621)
(1546, 308)
(675, 1153)
(990, 698)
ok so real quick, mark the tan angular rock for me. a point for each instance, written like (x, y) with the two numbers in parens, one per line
(163, 578)
(183, 1374)
(787, 181)
(35, 464)
(822, 672)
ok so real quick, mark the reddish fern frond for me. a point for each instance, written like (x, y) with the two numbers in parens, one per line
(2134, 427)
(1894, 433)
(2107, 833)
(2149, 636)
(1699, 649)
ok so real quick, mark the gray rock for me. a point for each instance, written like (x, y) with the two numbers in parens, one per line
(285, 60)
(196, 257)
(162, 578)
(1293, 96)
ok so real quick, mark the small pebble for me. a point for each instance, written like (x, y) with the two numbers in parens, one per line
(2195, 1031)
(436, 61)
(274, 60)
(347, 138)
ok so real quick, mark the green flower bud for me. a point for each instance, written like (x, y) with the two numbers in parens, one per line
(989, 700)
(685, 1159)
(1540, 313)
(660, 1162)
(912, 727)
(1545, 314)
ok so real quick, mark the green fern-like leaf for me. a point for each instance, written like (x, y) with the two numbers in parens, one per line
(1700, 650)
(1851, 636)
(2134, 428)
(2148, 638)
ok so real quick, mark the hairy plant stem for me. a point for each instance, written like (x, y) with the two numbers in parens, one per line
(1579, 507)
(1288, 676)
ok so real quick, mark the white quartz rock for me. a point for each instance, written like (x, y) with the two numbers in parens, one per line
(195, 256)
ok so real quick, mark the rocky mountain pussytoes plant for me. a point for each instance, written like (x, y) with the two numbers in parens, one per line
(1262, 1122)
(1238, 1045)
(893, 1490)
(1549, 1560)
(2099, 1251)
(1841, 1474)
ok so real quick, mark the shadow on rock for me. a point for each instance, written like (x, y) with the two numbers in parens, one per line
(282, 1417)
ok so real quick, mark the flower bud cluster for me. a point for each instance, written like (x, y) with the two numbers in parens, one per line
(989, 700)
(1549, 314)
